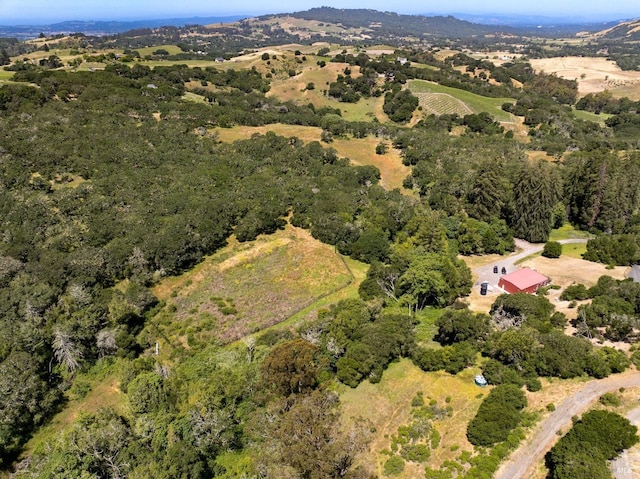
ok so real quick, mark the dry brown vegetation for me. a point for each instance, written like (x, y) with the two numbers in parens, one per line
(388, 406)
(593, 75)
(265, 281)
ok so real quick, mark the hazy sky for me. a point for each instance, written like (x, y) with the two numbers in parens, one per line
(42, 11)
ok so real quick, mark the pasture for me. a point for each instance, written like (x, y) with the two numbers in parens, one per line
(294, 89)
(5, 75)
(439, 100)
(593, 75)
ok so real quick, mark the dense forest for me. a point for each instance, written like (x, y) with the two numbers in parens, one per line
(111, 180)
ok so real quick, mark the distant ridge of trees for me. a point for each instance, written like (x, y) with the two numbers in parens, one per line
(394, 23)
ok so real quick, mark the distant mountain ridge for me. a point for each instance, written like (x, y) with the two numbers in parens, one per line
(629, 30)
(399, 24)
(90, 27)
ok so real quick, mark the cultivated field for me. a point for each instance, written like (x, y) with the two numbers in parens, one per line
(593, 75)
(361, 151)
(440, 100)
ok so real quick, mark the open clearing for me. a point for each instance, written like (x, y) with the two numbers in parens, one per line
(593, 75)
(388, 405)
(440, 100)
(259, 283)
(294, 89)
(104, 394)
(361, 151)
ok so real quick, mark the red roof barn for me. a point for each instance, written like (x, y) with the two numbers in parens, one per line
(524, 280)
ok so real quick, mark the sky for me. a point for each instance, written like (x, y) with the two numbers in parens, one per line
(47, 11)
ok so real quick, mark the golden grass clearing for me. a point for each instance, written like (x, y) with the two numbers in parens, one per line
(105, 393)
(264, 282)
(593, 75)
(294, 89)
(361, 151)
(305, 133)
(388, 406)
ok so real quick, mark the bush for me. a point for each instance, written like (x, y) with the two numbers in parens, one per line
(610, 399)
(497, 416)
(382, 148)
(552, 249)
(394, 466)
(575, 292)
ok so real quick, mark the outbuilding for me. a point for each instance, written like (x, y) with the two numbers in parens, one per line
(524, 280)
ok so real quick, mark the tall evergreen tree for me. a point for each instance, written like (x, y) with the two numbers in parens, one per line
(535, 193)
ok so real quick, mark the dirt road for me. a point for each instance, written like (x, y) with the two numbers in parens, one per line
(522, 462)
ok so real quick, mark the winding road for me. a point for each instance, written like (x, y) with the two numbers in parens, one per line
(523, 461)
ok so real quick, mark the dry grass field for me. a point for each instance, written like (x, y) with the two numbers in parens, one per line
(388, 406)
(294, 89)
(361, 151)
(593, 75)
(247, 287)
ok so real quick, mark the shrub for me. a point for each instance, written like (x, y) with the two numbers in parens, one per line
(382, 148)
(497, 416)
(610, 399)
(394, 466)
(552, 249)
(575, 292)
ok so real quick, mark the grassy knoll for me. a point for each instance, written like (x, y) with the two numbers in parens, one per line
(361, 151)
(305, 133)
(294, 89)
(247, 287)
(575, 250)
(441, 99)
(388, 406)
(172, 49)
(588, 116)
(194, 98)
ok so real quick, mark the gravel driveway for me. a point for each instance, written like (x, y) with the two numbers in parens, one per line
(524, 249)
